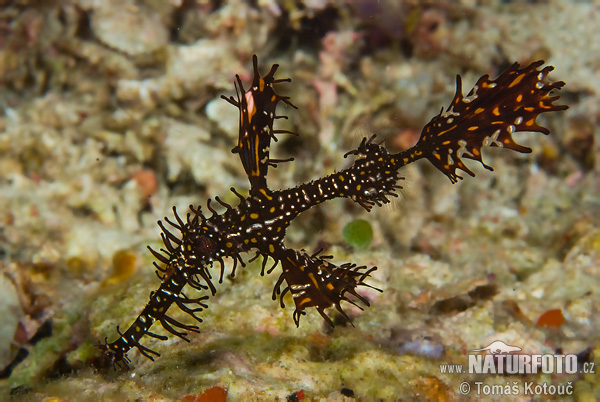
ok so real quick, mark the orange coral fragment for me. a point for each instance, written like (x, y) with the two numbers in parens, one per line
(146, 181)
(124, 266)
(212, 394)
(551, 319)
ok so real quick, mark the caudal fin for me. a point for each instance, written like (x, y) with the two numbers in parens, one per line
(488, 116)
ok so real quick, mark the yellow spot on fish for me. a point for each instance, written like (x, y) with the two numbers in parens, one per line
(305, 301)
(439, 134)
(516, 80)
(313, 279)
(264, 192)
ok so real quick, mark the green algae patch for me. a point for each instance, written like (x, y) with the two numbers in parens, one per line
(358, 233)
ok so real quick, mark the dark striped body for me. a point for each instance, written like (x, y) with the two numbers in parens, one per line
(487, 116)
